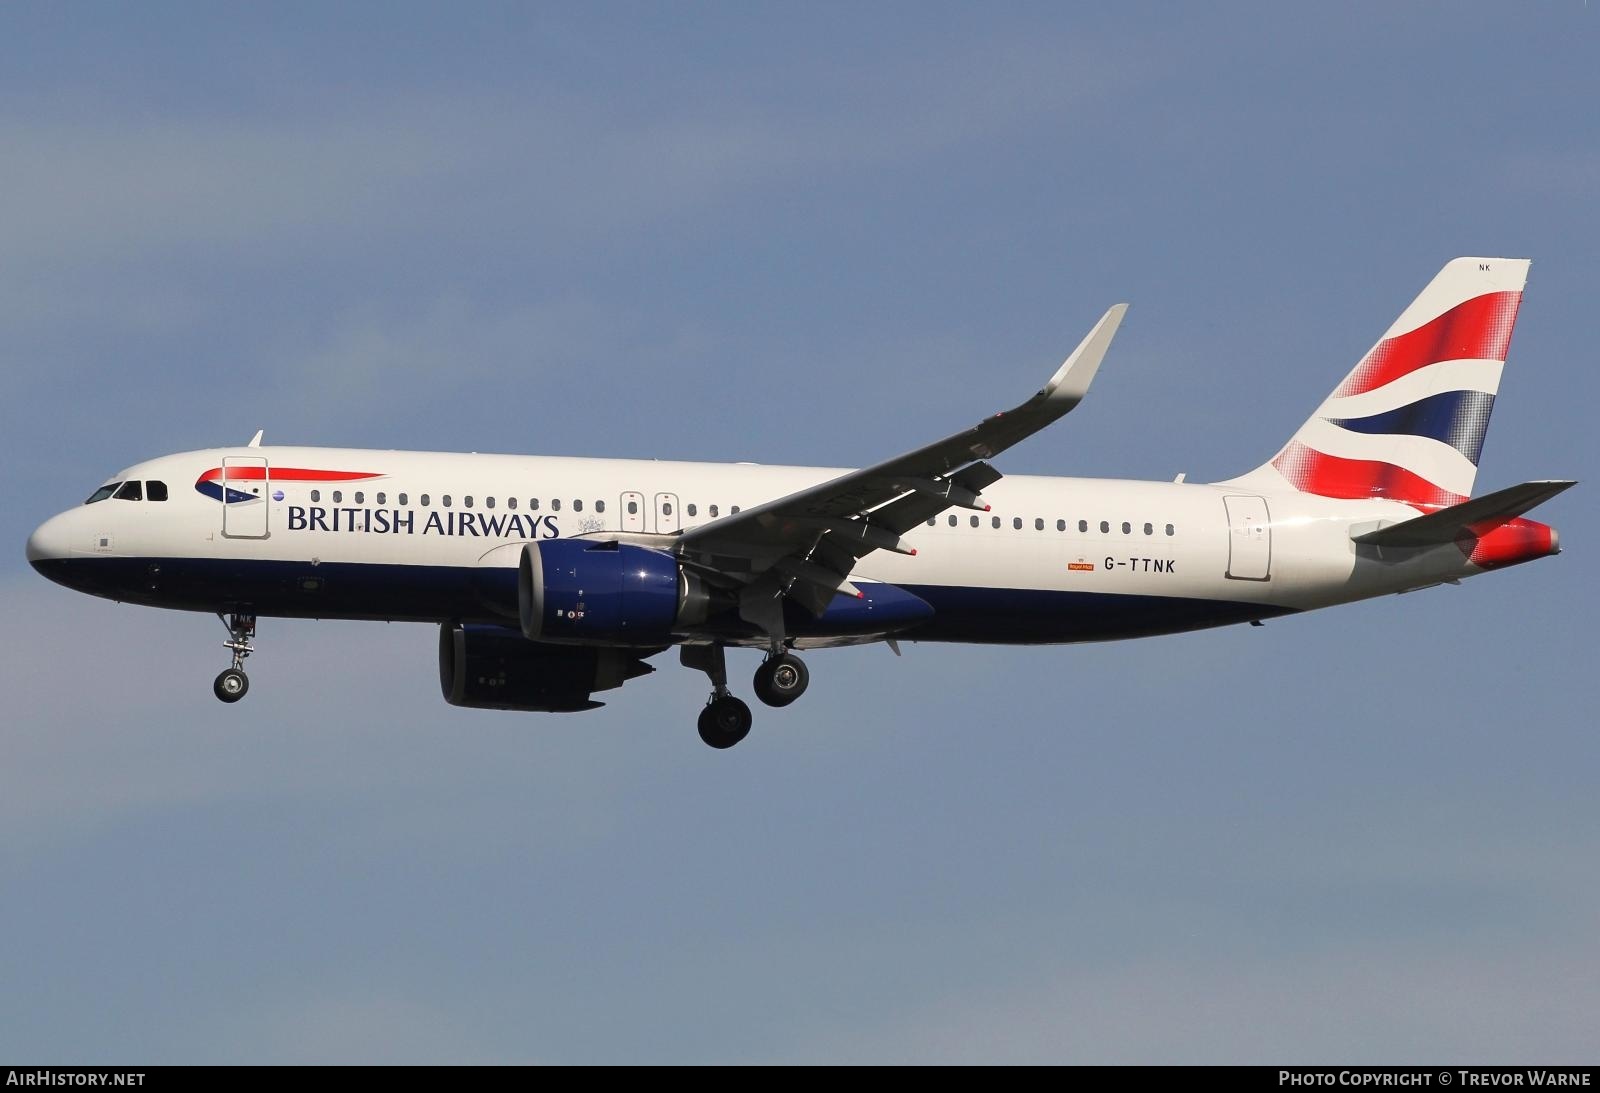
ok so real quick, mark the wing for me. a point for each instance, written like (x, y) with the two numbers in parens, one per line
(805, 545)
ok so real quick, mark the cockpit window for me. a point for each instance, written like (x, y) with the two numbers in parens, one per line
(131, 490)
(103, 492)
(155, 491)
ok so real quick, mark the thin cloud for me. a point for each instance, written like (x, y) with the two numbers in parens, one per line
(329, 699)
(98, 189)
(1355, 1005)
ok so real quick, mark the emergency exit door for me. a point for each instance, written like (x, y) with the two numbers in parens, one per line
(666, 513)
(632, 511)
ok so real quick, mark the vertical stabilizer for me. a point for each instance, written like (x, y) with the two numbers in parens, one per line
(1408, 422)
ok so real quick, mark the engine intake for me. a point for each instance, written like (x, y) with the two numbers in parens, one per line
(580, 591)
(495, 668)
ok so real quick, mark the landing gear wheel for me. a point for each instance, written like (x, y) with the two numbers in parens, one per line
(231, 685)
(724, 722)
(781, 679)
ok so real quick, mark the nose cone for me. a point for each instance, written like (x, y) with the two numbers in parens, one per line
(49, 547)
(48, 541)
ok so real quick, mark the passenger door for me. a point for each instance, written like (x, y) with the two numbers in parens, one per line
(246, 504)
(1249, 538)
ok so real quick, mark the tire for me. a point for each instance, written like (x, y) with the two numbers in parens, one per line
(231, 685)
(781, 679)
(724, 722)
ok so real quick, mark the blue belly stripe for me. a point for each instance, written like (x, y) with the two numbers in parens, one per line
(407, 593)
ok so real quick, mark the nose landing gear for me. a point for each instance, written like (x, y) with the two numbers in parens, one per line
(232, 684)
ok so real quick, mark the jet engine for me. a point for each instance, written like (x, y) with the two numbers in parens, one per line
(577, 591)
(496, 668)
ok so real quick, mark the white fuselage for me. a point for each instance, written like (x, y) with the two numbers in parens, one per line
(1098, 541)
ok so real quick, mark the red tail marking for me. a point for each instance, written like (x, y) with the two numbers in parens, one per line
(1311, 471)
(1514, 541)
(1479, 328)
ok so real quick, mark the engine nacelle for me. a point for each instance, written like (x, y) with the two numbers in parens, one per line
(582, 591)
(495, 668)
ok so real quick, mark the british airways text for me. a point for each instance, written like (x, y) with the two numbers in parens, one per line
(482, 525)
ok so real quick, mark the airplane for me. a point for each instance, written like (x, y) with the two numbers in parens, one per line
(552, 579)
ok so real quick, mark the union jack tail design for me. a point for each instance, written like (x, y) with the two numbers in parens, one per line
(1407, 424)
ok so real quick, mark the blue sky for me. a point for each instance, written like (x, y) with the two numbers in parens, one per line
(818, 235)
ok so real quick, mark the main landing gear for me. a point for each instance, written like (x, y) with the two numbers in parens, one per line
(726, 720)
(781, 679)
(232, 684)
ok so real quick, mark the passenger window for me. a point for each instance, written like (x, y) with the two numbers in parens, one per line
(424, 500)
(974, 521)
(1083, 526)
(488, 502)
(952, 519)
(511, 503)
(316, 495)
(1016, 523)
(445, 500)
(383, 498)
(1061, 525)
(1127, 528)
(555, 504)
(600, 506)
(734, 511)
(666, 508)
(1105, 527)
(577, 506)
(994, 521)
(130, 491)
(932, 520)
(403, 500)
(714, 511)
(102, 493)
(361, 498)
(1169, 529)
(533, 504)
(1149, 530)
(466, 502)
(155, 491)
(633, 508)
(1038, 524)
(338, 497)
(693, 509)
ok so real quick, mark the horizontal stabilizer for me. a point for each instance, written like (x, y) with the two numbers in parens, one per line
(1471, 518)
